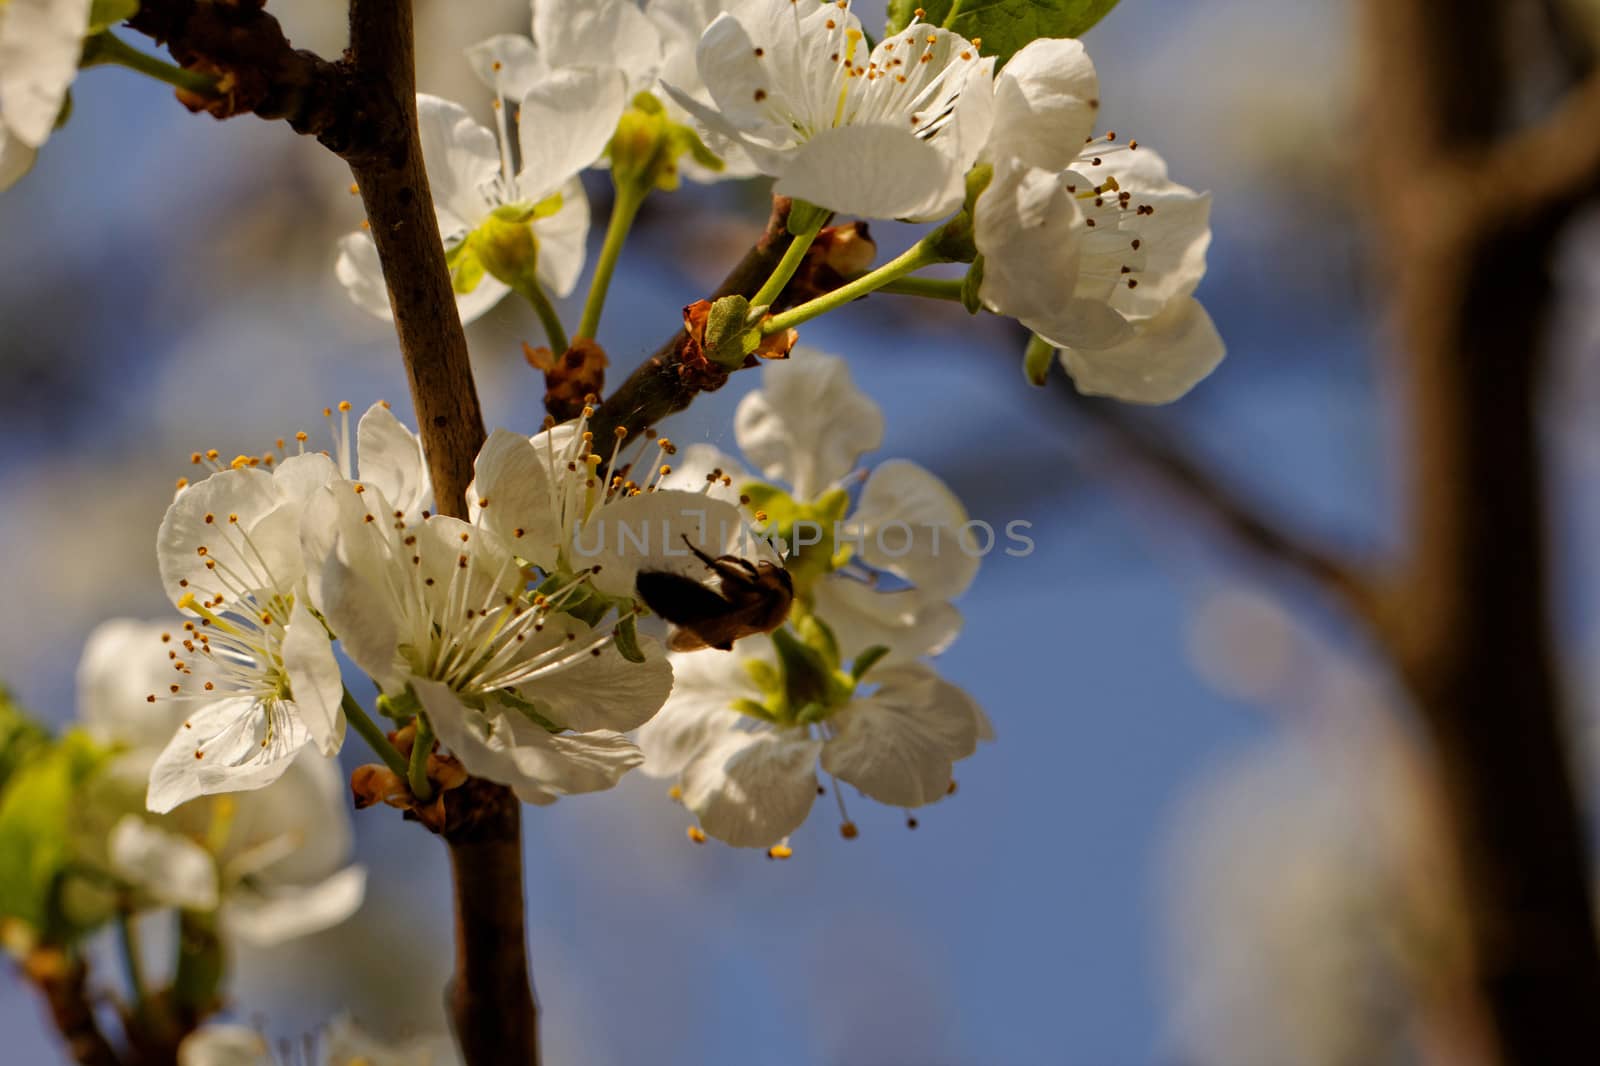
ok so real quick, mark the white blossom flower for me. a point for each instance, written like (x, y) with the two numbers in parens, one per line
(808, 425)
(486, 184)
(252, 663)
(1087, 242)
(521, 693)
(340, 1043)
(272, 864)
(614, 35)
(747, 755)
(41, 42)
(890, 134)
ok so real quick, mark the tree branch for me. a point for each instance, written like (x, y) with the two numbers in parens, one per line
(61, 981)
(1472, 295)
(1239, 520)
(663, 385)
(491, 999)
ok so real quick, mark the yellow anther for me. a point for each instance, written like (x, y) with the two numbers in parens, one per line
(344, 405)
(697, 834)
(240, 462)
(675, 794)
(779, 851)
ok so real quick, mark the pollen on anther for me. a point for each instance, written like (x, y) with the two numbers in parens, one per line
(761, 94)
(849, 831)
(696, 834)
(780, 851)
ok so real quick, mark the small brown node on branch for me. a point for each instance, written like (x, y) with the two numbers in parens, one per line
(572, 380)
(839, 254)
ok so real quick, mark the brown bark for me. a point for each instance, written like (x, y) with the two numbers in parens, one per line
(61, 980)
(1471, 618)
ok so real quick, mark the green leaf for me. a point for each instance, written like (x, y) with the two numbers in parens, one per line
(37, 811)
(1004, 25)
(105, 13)
(20, 738)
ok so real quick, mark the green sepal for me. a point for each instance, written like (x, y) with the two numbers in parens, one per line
(1005, 25)
(805, 218)
(401, 708)
(754, 709)
(466, 269)
(507, 250)
(1037, 360)
(819, 635)
(779, 507)
(971, 285)
(106, 13)
(626, 638)
(866, 661)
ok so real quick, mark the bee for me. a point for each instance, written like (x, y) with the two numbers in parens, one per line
(750, 598)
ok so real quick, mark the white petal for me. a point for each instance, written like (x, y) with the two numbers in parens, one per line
(40, 43)
(704, 686)
(300, 476)
(752, 789)
(233, 745)
(263, 919)
(1029, 229)
(873, 172)
(563, 240)
(270, 559)
(808, 424)
(905, 621)
(512, 494)
(1046, 100)
(350, 575)
(296, 831)
(898, 744)
(225, 1045)
(909, 523)
(16, 158)
(172, 869)
(507, 64)
(1166, 358)
(314, 678)
(1173, 240)
(360, 272)
(462, 157)
(392, 460)
(123, 663)
(565, 122)
(598, 33)
(508, 748)
(605, 691)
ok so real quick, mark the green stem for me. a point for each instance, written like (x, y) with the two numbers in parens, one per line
(132, 962)
(950, 16)
(107, 49)
(793, 256)
(928, 288)
(924, 253)
(417, 773)
(624, 209)
(375, 737)
(201, 964)
(554, 332)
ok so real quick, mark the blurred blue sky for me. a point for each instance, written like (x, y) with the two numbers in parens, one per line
(177, 293)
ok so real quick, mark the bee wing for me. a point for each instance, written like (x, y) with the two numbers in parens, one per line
(678, 599)
(685, 640)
